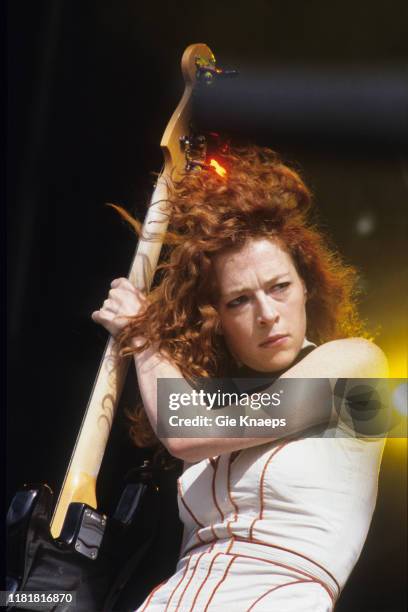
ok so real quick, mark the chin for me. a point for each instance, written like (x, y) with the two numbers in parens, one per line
(280, 361)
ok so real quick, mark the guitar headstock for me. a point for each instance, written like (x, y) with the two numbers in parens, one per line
(197, 63)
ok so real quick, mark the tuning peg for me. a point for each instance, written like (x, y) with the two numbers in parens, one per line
(208, 72)
(208, 75)
(192, 141)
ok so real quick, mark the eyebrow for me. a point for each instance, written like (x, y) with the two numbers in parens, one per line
(243, 289)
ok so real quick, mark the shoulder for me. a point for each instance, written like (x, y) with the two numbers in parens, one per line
(358, 357)
(344, 358)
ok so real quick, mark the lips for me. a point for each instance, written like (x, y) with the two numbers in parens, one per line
(274, 340)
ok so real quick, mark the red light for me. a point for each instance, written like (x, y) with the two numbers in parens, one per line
(218, 168)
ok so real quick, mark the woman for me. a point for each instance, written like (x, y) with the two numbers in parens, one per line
(250, 286)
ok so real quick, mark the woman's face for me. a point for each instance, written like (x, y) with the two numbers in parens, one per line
(261, 304)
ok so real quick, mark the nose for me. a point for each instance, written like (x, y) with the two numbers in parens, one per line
(267, 311)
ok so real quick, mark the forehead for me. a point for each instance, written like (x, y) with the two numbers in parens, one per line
(260, 257)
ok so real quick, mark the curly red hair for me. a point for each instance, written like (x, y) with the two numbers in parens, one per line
(260, 197)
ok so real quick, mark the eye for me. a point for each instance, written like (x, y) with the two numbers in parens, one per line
(242, 299)
(280, 287)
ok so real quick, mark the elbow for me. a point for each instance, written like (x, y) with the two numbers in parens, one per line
(381, 363)
(372, 361)
(355, 358)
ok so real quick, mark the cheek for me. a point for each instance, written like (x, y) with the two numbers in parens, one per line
(298, 311)
(232, 327)
(298, 295)
(236, 330)
(293, 311)
(299, 303)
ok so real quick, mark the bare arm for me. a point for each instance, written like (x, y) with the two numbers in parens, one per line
(347, 358)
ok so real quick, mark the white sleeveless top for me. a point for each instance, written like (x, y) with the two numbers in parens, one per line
(291, 514)
(311, 497)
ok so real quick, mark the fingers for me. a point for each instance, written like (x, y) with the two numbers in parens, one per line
(108, 312)
(123, 302)
(120, 285)
(117, 281)
(98, 316)
(124, 283)
(102, 318)
(110, 306)
(109, 321)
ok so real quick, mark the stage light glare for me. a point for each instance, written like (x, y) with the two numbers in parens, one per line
(365, 224)
(218, 168)
(400, 398)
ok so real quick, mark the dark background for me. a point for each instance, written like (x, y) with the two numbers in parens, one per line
(91, 86)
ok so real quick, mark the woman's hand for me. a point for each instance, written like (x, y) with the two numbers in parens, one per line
(124, 301)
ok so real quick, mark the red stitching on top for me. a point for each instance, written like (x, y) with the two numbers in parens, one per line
(255, 541)
(219, 582)
(310, 577)
(212, 462)
(213, 489)
(204, 581)
(230, 544)
(275, 589)
(236, 510)
(289, 567)
(177, 585)
(200, 539)
(186, 506)
(148, 600)
(189, 580)
(188, 550)
(261, 487)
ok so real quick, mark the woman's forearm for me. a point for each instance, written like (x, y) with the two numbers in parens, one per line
(150, 367)
(304, 411)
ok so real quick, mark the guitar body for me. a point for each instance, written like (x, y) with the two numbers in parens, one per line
(38, 562)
